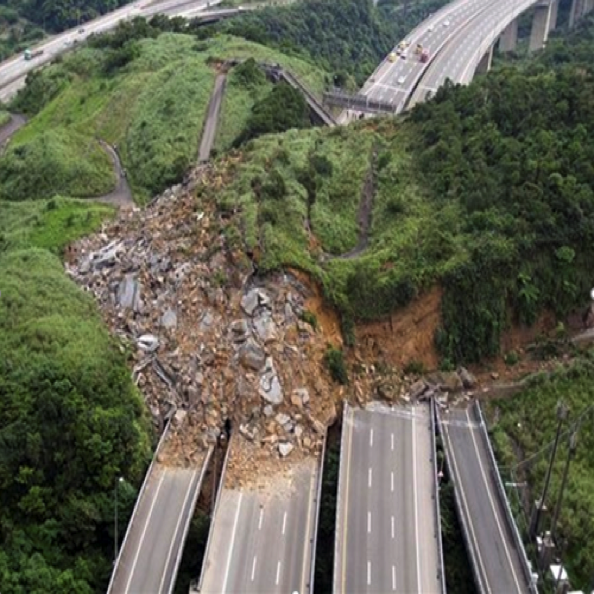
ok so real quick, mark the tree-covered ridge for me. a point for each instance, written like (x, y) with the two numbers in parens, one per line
(515, 153)
(71, 422)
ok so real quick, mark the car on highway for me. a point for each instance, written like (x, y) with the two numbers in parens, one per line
(403, 55)
(81, 30)
(446, 23)
(391, 57)
(401, 80)
(430, 28)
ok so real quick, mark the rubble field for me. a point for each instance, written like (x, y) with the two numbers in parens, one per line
(213, 347)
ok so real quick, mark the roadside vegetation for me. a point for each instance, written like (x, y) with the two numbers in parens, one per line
(523, 426)
(71, 423)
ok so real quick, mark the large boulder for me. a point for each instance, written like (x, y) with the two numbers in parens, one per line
(251, 355)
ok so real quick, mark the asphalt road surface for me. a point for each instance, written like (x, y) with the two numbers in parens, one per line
(459, 59)
(498, 561)
(212, 118)
(386, 523)
(261, 542)
(393, 82)
(14, 71)
(152, 549)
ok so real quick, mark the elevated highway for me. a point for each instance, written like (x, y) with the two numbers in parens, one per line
(151, 552)
(388, 536)
(495, 549)
(262, 538)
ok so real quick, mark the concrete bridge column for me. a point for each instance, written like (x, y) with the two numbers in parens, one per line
(485, 64)
(554, 10)
(540, 27)
(509, 37)
(577, 11)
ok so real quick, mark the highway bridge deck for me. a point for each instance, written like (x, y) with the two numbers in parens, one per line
(386, 525)
(152, 549)
(261, 541)
(498, 564)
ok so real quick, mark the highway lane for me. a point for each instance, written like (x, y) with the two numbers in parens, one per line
(151, 552)
(14, 71)
(393, 82)
(385, 524)
(498, 562)
(261, 542)
(459, 59)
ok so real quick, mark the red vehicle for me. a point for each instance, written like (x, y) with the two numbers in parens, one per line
(424, 56)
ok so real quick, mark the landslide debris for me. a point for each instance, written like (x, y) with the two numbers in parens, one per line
(213, 347)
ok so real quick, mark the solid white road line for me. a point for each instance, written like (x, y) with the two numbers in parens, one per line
(284, 522)
(278, 568)
(174, 536)
(146, 525)
(490, 496)
(465, 505)
(254, 567)
(369, 478)
(416, 505)
(232, 543)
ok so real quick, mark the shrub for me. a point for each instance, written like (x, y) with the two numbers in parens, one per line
(335, 361)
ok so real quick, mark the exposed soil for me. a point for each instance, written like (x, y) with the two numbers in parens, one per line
(16, 122)
(405, 336)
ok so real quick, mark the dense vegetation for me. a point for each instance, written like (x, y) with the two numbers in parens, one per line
(71, 423)
(324, 31)
(526, 424)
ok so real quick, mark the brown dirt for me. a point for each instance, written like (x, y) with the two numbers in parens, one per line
(405, 336)
(517, 337)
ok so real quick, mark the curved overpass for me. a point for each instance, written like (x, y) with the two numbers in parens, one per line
(460, 38)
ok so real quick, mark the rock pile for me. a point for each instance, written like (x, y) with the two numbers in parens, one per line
(211, 346)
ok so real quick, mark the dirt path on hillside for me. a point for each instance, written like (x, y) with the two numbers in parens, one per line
(121, 195)
(17, 121)
(364, 214)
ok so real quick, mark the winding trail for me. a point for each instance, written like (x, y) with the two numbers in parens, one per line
(17, 121)
(212, 118)
(121, 195)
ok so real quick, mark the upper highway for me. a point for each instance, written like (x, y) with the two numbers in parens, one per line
(499, 562)
(261, 540)
(386, 526)
(13, 71)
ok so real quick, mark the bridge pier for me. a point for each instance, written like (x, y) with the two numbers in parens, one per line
(579, 8)
(485, 64)
(540, 26)
(509, 38)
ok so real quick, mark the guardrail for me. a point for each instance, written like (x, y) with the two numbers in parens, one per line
(358, 102)
(518, 543)
(180, 551)
(312, 571)
(214, 513)
(436, 507)
(459, 508)
(337, 523)
(138, 499)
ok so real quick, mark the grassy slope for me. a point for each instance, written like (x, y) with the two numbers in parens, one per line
(49, 224)
(153, 109)
(406, 226)
(527, 422)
